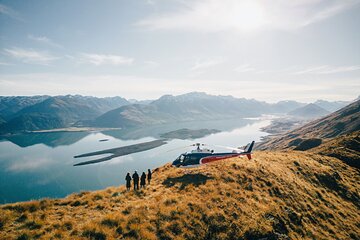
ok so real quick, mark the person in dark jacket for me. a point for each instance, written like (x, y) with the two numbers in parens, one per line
(135, 178)
(149, 176)
(128, 181)
(143, 180)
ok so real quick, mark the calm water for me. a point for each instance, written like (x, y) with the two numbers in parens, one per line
(35, 166)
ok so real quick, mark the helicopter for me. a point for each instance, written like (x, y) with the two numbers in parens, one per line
(201, 156)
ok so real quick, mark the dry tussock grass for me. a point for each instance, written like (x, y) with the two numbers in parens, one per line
(277, 195)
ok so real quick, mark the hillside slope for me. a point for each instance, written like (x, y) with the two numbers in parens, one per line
(276, 195)
(346, 148)
(341, 122)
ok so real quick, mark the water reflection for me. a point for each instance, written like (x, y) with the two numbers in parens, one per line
(41, 165)
(53, 139)
(156, 130)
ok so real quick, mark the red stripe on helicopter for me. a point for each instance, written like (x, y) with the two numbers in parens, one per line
(217, 158)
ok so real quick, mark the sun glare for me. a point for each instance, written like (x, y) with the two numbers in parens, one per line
(249, 16)
(242, 15)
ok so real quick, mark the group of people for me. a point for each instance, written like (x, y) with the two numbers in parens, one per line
(135, 177)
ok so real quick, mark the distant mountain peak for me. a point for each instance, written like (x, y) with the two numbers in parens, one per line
(310, 110)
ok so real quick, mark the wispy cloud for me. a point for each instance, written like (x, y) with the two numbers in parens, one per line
(26, 165)
(200, 65)
(246, 15)
(10, 12)
(44, 40)
(325, 69)
(106, 59)
(5, 63)
(30, 56)
(244, 68)
(150, 2)
(151, 64)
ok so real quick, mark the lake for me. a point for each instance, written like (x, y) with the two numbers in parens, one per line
(39, 165)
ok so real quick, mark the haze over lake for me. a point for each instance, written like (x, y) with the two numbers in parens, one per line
(40, 165)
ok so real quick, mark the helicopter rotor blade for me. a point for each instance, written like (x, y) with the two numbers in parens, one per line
(230, 148)
(179, 148)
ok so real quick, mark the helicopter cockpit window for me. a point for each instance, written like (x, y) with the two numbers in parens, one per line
(181, 158)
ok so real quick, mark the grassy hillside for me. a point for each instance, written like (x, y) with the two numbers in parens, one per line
(276, 195)
(346, 148)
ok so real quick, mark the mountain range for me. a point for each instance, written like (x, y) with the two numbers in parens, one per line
(21, 114)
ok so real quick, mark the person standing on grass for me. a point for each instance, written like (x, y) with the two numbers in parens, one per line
(135, 177)
(149, 176)
(128, 181)
(143, 180)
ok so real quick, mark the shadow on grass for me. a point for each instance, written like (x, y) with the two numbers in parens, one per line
(187, 179)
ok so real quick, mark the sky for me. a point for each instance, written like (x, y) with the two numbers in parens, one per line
(276, 50)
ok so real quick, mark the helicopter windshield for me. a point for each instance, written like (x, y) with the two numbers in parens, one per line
(181, 158)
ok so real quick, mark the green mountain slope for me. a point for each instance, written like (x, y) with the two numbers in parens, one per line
(11, 105)
(59, 111)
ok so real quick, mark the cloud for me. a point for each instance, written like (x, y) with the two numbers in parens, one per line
(325, 69)
(150, 2)
(25, 165)
(10, 12)
(5, 64)
(30, 56)
(44, 40)
(103, 59)
(199, 65)
(246, 15)
(151, 64)
(244, 68)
